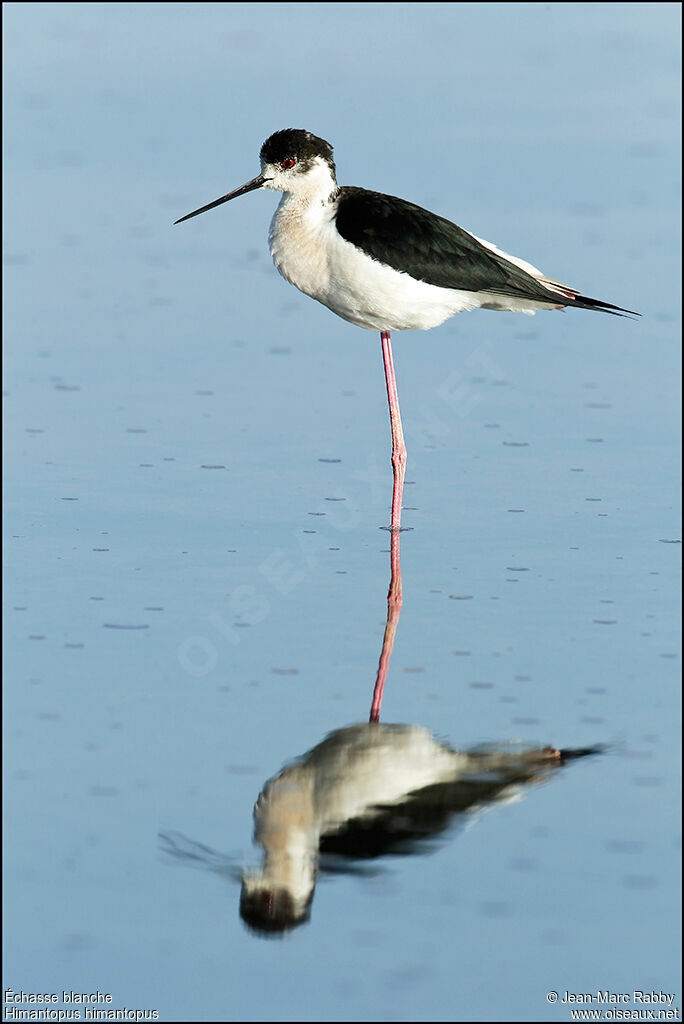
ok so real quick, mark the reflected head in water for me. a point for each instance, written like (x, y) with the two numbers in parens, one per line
(271, 911)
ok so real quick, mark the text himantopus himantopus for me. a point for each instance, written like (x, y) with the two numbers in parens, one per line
(383, 263)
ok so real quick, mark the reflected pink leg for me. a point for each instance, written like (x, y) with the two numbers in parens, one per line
(398, 446)
(394, 600)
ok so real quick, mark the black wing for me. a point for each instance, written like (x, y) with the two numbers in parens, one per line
(432, 249)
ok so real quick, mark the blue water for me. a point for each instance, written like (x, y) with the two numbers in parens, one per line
(186, 609)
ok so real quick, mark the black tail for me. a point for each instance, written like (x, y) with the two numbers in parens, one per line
(584, 302)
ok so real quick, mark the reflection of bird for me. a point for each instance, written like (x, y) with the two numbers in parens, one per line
(383, 263)
(368, 790)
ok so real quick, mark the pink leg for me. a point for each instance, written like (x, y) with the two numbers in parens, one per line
(394, 600)
(398, 446)
(394, 596)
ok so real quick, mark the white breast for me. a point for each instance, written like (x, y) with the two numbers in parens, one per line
(297, 240)
(310, 253)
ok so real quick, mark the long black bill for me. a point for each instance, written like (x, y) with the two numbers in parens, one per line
(249, 187)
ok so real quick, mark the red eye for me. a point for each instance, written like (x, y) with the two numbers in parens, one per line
(287, 163)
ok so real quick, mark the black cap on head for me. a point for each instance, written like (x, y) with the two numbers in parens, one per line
(298, 144)
(272, 911)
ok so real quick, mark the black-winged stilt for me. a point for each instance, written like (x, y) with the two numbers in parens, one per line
(384, 263)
